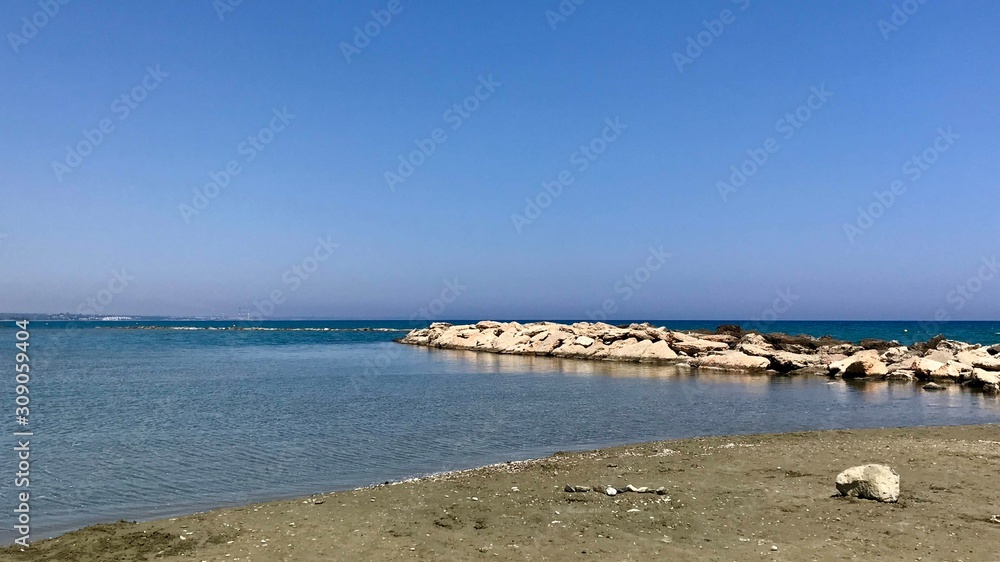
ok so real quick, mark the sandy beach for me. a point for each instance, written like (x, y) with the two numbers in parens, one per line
(753, 497)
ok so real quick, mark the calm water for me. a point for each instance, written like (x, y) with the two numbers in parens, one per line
(142, 423)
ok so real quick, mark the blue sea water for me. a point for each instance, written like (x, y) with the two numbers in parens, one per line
(141, 423)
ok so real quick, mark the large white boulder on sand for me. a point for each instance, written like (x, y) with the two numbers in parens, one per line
(871, 481)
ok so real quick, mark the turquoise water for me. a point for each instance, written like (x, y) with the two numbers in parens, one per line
(140, 423)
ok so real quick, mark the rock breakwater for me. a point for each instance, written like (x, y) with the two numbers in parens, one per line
(729, 348)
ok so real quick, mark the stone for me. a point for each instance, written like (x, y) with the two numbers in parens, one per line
(755, 349)
(953, 370)
(923, 367)
(731, 329)
(627, 349)
(878, 345)
(785, 361)
(969, 357)
(570, 350)
(645, 332)
(485, 324)
(940, 355)
(584, 341)
(871, 481)
(546, 342)
(576, 489)
(933, 386)
(866, 363)
(985, 377)
(510, 337)
(610, 491)
(612, 334)
(458, 337)
(990, 381)
(734, 360)
(953, 346)
(901, 375)
(846, 349)
(591, 330)
(692, 345)
(486, 341)
(721, 338)
(755, 339)
(987, 363)
(658, 351)
(894, 354)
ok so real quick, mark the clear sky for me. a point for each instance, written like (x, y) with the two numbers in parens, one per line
(645, 111)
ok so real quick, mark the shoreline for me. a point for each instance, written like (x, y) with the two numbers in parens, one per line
(721, 495)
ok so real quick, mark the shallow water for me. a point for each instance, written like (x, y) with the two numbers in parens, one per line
(142, 423)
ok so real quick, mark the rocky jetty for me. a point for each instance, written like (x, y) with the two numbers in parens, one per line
(730, 348)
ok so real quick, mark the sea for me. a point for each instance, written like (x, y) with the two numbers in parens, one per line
(143, 419)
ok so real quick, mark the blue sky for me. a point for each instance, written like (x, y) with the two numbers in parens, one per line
(693, 87)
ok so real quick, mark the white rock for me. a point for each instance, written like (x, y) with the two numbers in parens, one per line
(953, 370)
(734, 360)
(940, 355)
(871, 481)
(658, 351)
(628, 349)
(867, 363)
(894, 354)
(985, 377)
(584, 341)
(692, 345)
(987, 363)
(923, 367)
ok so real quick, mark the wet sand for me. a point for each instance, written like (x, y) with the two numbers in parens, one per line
(759, 497)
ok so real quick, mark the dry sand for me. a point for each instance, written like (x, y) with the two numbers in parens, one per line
(759, 497)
